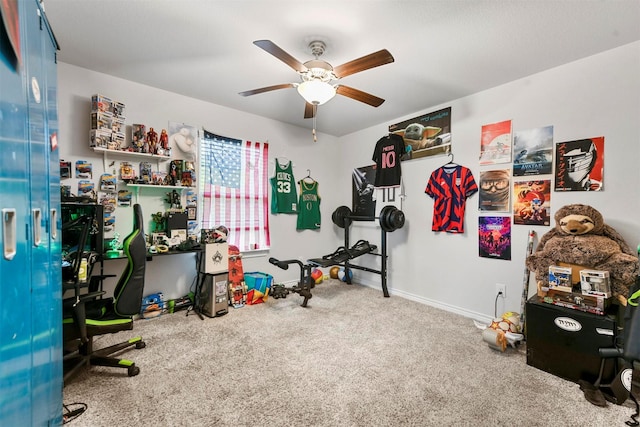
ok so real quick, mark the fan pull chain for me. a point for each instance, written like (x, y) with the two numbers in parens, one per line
(315, 111)
(315, 138)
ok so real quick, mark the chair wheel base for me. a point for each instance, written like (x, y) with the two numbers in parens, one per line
(133, 370)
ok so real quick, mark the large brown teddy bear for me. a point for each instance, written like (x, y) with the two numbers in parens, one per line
(581, 237)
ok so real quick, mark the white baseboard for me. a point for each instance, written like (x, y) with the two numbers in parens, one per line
(482, 318)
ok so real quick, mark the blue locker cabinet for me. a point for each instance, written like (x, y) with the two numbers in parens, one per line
(30, 262)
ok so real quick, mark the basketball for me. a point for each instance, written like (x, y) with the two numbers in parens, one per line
(333, 273)
(317, 276)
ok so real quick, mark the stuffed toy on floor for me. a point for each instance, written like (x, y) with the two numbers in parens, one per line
(582, 238)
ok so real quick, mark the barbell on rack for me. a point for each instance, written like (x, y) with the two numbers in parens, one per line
(391, 218)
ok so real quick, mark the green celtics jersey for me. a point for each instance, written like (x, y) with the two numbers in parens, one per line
(284, 197)
(308, 206)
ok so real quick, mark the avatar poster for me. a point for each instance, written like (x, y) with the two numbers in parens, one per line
(494, 237)
(580, 165)
(533, 151)
(532, 202)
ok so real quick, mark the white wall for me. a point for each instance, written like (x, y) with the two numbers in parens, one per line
(595, 96)
(173, 275)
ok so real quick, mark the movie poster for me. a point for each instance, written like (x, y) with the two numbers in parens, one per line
(494, 190)
(363, 202)
(426, 135)
(532, 202)
(580, 165)
(494, 237)
(533, 151)
(495, 143)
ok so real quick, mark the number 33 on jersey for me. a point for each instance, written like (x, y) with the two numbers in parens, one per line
(284, 196)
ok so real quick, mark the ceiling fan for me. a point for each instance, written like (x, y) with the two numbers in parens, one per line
(316, 76)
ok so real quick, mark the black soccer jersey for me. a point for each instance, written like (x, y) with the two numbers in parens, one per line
(387, 155)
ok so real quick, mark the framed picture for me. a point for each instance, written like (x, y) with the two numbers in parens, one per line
(363, 202)
(426, 135)
(191, 213)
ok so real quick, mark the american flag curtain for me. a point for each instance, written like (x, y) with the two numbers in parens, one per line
(234, 179)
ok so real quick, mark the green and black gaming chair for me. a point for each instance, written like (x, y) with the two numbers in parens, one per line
(88, 315)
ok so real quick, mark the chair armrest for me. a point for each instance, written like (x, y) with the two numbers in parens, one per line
(76, 305)
(71, 302)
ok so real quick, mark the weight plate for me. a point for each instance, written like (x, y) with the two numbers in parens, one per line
(391, 218)
(340, 216)
(384, 217)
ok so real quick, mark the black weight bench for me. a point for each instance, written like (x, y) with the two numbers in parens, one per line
(343, 254)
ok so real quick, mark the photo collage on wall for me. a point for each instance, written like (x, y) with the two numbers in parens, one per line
(522, 191)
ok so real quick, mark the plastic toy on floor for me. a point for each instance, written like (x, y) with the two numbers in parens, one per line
(152, 305)
(502, 331)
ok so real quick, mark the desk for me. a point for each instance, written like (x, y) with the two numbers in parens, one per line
(150, 256)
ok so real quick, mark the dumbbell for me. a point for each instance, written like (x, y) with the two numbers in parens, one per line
(391, 218)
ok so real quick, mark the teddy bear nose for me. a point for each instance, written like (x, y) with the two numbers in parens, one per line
(574, 227)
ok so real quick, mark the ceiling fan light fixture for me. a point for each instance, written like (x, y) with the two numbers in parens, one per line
(316, 92)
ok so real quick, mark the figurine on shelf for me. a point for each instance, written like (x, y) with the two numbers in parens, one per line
(152, 141)
(158, 221)
(138, 137)
(127, 173)
(115, 246)
(163, 143)
(173, 199)
(175, 171)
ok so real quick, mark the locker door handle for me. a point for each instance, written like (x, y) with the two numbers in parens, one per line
(9, 233)
(36, 216)
(53, 221)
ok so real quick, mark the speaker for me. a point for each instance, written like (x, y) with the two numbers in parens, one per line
(214, 294)
(565, 342)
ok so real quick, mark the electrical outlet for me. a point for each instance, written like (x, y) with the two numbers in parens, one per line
(501, 290)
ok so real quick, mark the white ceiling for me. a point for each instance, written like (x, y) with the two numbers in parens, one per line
(443, 50)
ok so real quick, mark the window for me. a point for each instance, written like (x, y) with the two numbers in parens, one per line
(234, 189)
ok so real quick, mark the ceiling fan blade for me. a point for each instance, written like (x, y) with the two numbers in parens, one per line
(283, 56)
(267, 89)
(359, 95)
(372, 60)
(309, 111)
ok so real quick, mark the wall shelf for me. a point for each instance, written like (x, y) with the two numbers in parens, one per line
(106, 153)
(137, 188)
(170, 187)
(123, 153)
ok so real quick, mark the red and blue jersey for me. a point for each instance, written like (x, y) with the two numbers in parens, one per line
(449, 187)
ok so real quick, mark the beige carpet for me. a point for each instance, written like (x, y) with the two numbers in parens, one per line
(352, 358)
